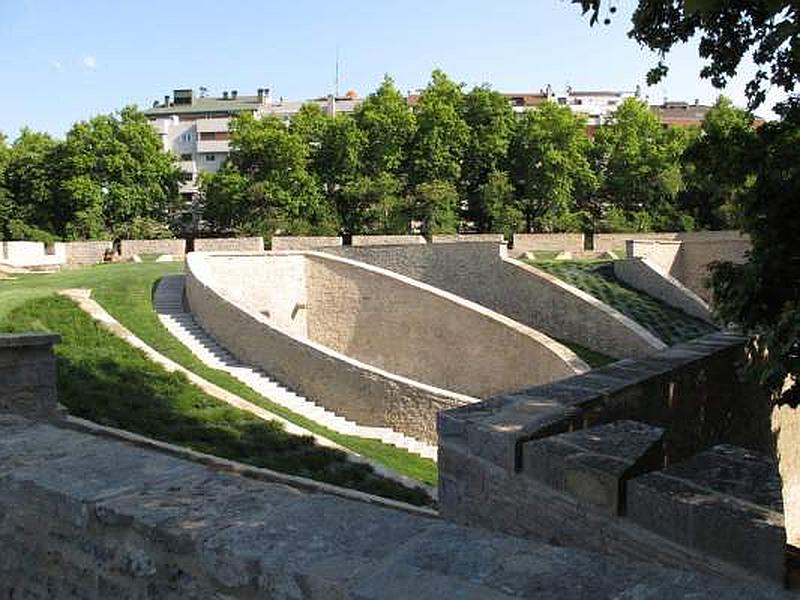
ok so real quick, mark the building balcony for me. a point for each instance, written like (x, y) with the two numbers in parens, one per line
(213, 146)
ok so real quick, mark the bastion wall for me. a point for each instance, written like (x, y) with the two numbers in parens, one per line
(366, 343)
(483, 274)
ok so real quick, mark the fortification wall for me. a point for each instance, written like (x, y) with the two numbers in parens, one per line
(645, 275)
(32, 254)
(468, 237)
(273, 288)
(418, 332)
(547, 242)
(281, 242)
(510, 463)
(365, 394)
(242, 244)
(387, 240)
(167, 246)
(28, 374)
(479, 272)
(86, 253)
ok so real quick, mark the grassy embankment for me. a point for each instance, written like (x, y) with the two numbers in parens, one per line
(125, 290)
(596, 277)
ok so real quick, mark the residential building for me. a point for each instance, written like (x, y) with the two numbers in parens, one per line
(196, 127)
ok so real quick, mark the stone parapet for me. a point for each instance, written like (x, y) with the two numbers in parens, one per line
(28, 374)
(239, 244)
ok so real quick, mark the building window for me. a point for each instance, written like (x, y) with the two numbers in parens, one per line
(562, 100)
(211, 157)
(186, 157)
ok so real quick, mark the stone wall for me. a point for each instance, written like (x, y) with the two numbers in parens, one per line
(480, 272)
(546, 242)
(32, 254)
(468, 237)
(687, 260)
(86, 253)
(418, 332)
(168, 246)
(28, 374)
(387, 240)
(241, 244)
(83, 516)
(360, 392)
(502, 464)
(645, 275)
(286, 242)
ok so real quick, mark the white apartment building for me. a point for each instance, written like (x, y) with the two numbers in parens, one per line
(195, 127)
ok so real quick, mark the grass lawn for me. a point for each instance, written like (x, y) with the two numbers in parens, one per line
(105, 380)
(597, 278)
(125, 290)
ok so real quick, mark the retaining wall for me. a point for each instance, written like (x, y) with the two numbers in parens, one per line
(353, 389)
(86, 253)
(28, 374)
(387, 240)
(510, 463)
(82, 516)
(167, 246)
(481, 272)
(468, 237)
(243, 244)
(687, 260)
(366, 343)
(285, 242)
(31, 254)
(645, 275)
(547, 242)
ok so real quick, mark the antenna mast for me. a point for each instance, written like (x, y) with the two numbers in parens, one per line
(336, 90)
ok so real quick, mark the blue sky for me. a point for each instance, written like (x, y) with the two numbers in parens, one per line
(66, 60)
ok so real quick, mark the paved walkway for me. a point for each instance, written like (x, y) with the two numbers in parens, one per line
(168, 302)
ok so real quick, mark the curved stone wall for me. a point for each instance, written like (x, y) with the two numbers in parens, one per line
(482, 273)
(374, 346)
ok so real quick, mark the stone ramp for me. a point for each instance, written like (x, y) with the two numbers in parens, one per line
(168, 302)
(83, 516)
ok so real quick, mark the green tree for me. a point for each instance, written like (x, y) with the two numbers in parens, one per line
(719, 166)
(435, 205)
(503, 214)
(729, 31)
(549, 166)
(338, 158)
(374, 205)
(266, 187)
(442, 134)
(309, 123)
(387, 126)
(112, 170)
(28, 178)
(638, 163)
(491, 125)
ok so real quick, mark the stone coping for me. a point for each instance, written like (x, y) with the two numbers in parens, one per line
(12, 340)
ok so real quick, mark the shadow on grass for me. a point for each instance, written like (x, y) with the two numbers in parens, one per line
(102, 379)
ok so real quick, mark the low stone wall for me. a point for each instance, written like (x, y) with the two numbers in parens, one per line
(241, 244)
(28, 374)
(86, 253)
(468, 237)
(168, 246)
(285, 242)
(546, 242)
(645, 275)
(21, 254)
(358, 391)
(688, 260)
(82, 516)
(387, 240)
(495, 471)
(480, 272)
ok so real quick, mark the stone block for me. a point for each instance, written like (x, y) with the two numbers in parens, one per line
(725, 502)
(593, 465)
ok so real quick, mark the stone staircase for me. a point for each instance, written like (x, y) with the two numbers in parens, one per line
(168, 302)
